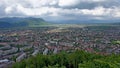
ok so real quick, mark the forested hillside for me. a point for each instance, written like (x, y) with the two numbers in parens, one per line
(21, 22)
(77, 59)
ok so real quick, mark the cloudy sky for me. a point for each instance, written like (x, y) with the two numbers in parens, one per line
(61, 9)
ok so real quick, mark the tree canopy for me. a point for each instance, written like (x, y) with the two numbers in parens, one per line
(77, 59)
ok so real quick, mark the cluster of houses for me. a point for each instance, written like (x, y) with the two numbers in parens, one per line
(19, 44)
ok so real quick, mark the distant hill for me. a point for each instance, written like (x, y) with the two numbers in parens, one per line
(91, 21)
(21, 22)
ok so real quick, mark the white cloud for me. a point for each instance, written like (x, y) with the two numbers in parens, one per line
(98, 11)
(41, 11)
(8, 10)
(53, 2)
(52, 11)
(101, 11)
(95, 0)
(68, 2)
(51, 8)
(116, 12)
(32, 11)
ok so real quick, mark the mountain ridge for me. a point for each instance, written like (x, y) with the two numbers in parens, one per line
(21, 22)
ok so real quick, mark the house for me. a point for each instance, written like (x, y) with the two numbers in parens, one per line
(55, 51)
(45, 52)
(35, 52)
(21, 57)
(4, 61)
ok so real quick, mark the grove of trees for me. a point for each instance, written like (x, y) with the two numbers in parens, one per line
(77, 59)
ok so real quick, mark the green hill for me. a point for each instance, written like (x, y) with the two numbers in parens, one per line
(21, 22)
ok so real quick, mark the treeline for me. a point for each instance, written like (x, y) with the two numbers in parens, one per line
(78, 59)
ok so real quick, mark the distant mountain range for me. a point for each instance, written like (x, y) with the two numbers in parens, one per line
(9, 22)
(91, 21)
(21, 22)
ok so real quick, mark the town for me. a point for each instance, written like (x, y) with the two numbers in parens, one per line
(18, 44)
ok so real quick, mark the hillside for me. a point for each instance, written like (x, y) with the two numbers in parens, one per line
(78, 59)
(21, 22)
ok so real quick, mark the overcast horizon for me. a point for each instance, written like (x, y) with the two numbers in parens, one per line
(53, 10)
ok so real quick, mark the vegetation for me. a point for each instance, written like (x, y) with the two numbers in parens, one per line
(116, 42)
(1, 45)
(22, 22)
(77, 59)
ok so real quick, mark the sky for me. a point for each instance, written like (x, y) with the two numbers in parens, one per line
(62, 9)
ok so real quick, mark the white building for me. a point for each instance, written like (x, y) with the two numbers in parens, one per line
(55, 51)
(21, 57)
(35, 52)
(4, 61)
(45, 52)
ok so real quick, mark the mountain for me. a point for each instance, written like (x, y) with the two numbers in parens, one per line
(21, 22)
(91, 21)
